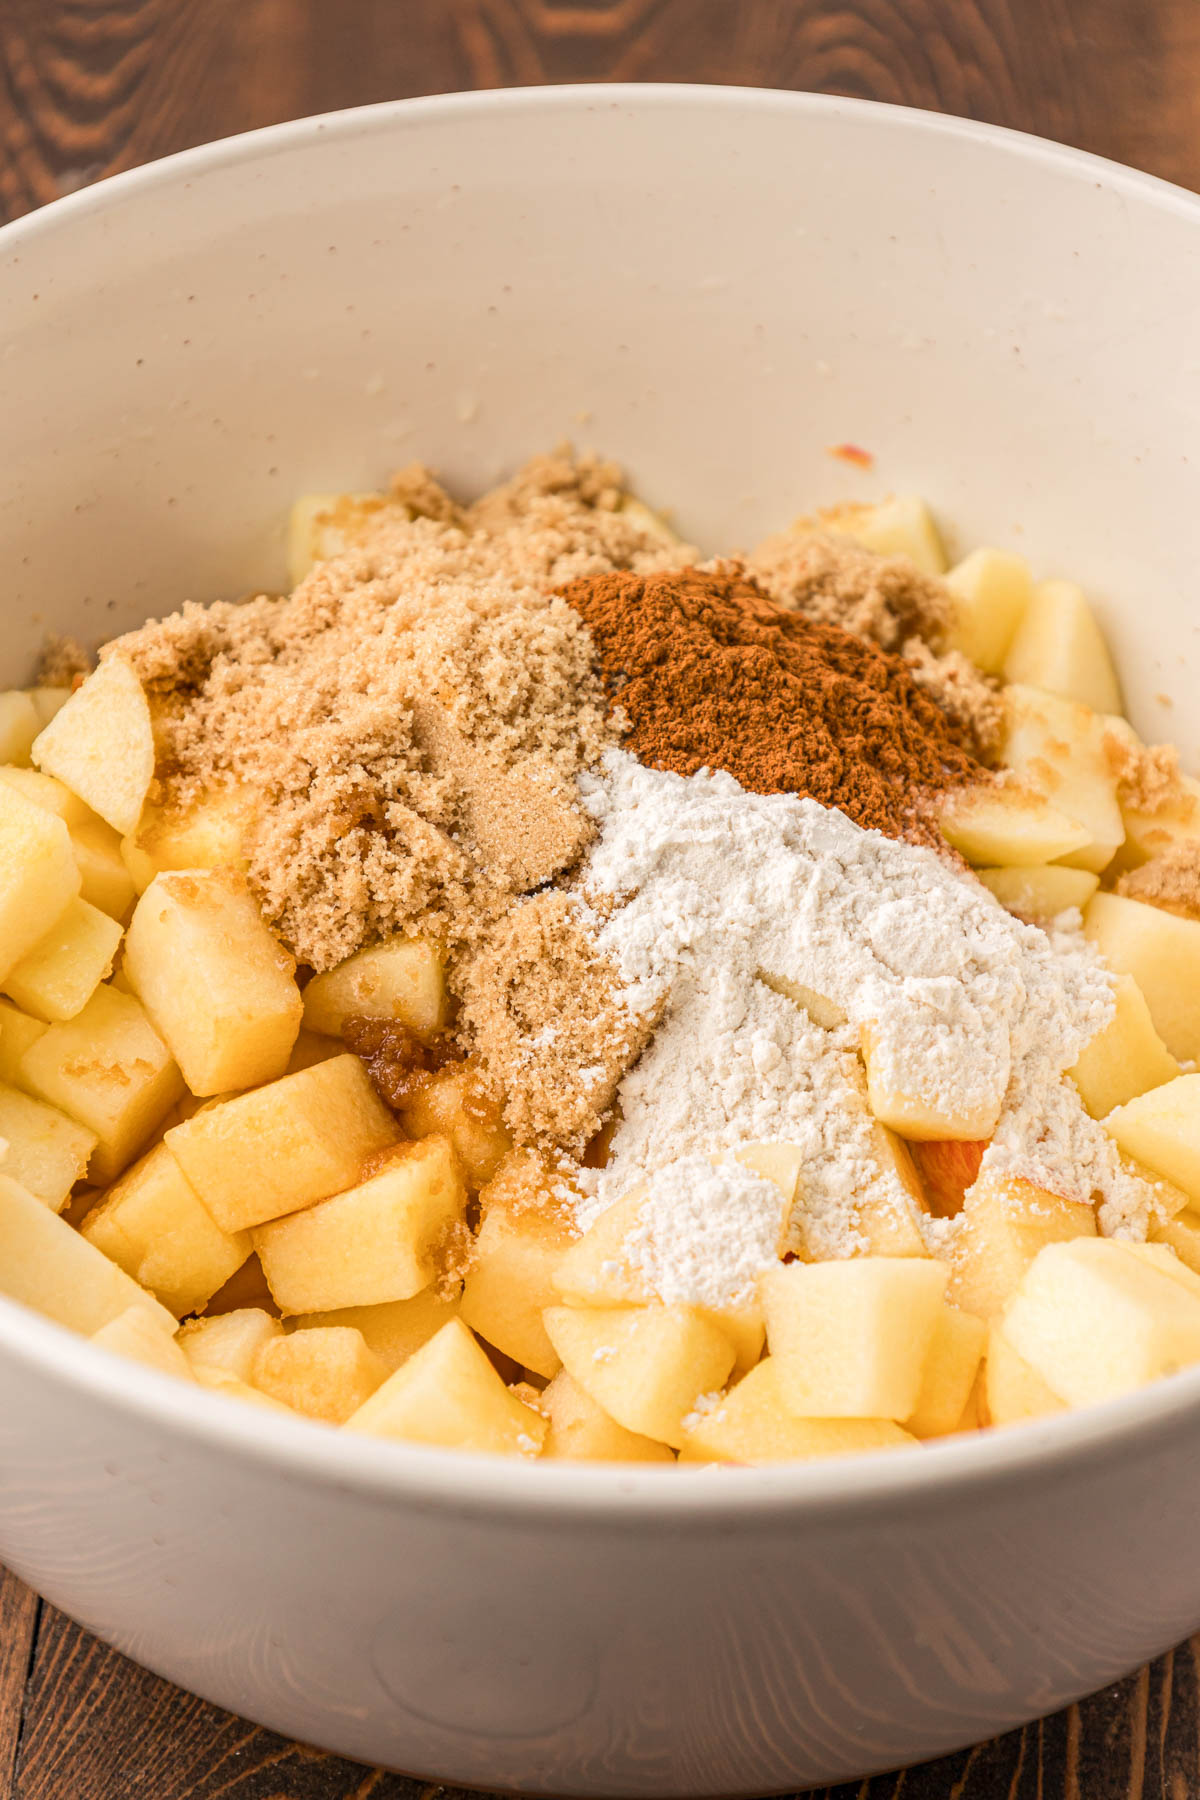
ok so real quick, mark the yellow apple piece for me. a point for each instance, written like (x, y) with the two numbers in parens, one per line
(948, 1378)
(19, 725)
(152, 1223)
(996, 823)
(821, 1010)
(208, 834)
(396, 1328)
(456, 1103)
(325, 525)
(581, 1431)
(326, 1373)
(915, 1118)
(47, 1152)
(1005, 1222)
(46, 1265)
(229, 1343)
(106, 882)
(17, 1033)
(448, 1393)
(38, 875)
(1013, 1391)
(947, 1169)
(1056, 747)
(1058, 646)
(233, 1021)
(309, 1048)
(646, 1366)
(1094, 1321)
(1127, 1058)
(56, 979)
(101, 744)
(45, 791)
(1162, 953)
(778, 1162)
(901, 525)
(376, 1241)
(597, 1269)
(889, 1220)
(217, 1381)
(138, 1335)
(403, 978)
(750, 1424)
(1182, 1234)
(1162, 1130)
(281, 1147)
(991, 591)
(850, 1340)
(1040, 893)
(523, 1234)
(108, 1068)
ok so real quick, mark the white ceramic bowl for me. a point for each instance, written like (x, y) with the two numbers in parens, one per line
(715, 286)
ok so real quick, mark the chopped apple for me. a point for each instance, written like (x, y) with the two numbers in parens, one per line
(1042, 892)
(948, 1378)
(1005, 1222)
(902, 525)
(1059, 647)
(914, 1117)
(56, 979)
(1173, 822)
(522, 1237)
(38, 875)
(19, 725)
(402, 979)
(1094, 1321)
(46, 1151)
(646, 1366)
(581, 1431)
(850, 1340)
(750, 1424)
(309, 1048)
(991, 591)
(106, 882)
(395, 1329)
(457, 1103)
(448, 1393)
(137, 1334)
(108, 1068)
(325, 525)
(821, 1010)
(45, 791)
(17, 1033)
(228, 1344)
(377, 1241)
(46, 1265)
(1056, 747)
(326, 1373)
(101, 744)
(597, 1270)
(1011, 825)
(281, 1147)
(1013, 1390)
(207, 835)
(1162, 1130)
(233, 1022)
(152, 1224)
(947, 1169)
(1162, 953)
(219, 1382)
(1127, 1058)
(777, 1162)
(890, 1224)
(1182, 1234)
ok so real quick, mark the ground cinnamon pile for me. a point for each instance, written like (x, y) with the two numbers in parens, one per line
(710, 673)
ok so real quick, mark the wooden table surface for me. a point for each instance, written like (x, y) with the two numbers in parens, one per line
(89, 87)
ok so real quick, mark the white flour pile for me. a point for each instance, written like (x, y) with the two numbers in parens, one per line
(706, 1231)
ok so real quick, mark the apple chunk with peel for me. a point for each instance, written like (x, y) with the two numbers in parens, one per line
(38, 875)
(1041, 892)
(949, 1374)
(375, 1242)
(850, 1340)
(101, 744)
(281, 1147)
(1162, 1130)
(1013, 1390)
(1058, 646)
(991, 591)
(448, 1393)
(232, 1022)
(1057, 747)
(948, 1167)
(1162, 953)
(402, 979)
(56, 979)
(1127, 1058)
(521, 1240)
(228, 1344)
(581, 1431)
(47, 1266)
(751, 1424)
(47, 1152)
(1011, 825)
(326, 1374)
(1005, 1222)
(394, 1329)
(154, 1226)
(646, 1366)
(138, 1335)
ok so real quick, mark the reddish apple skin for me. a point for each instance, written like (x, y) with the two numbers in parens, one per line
(947, 1168)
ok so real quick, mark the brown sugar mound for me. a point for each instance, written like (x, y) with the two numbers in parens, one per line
(1170, 880)
(711, 673)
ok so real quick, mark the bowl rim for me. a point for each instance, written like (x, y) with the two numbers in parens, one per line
(560, 1493)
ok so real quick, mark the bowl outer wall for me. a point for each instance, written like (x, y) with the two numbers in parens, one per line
(715, 286)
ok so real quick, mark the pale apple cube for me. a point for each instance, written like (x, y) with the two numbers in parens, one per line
(402, 979)
(777, 1162)
(821, 1010)
(326, 1373)
(646, 1366)
(915, 1117)
(850, 1340)
(282, 1147)
(229, 1343)
(1162, 953)
(523, 1235)
(1042, 892)
(154, 1225)
(101, 744)
(38, 876)
(206, 835)
(48, 702)
(448, 1394)
(1182, 1234)
(1094, 1321)
(1014, 826)
(396, 1328)
(18, 1032)
(948, 1377)
(1013, 1390)
(106, 882)
(325, 525)
(581, 1431)
(51, 795)
(1056, 747)
(56, 979)
(1060, 648)
(746, 1329)
(19, 725)
(890, 1222)
(138, 1335)
(377, 1241)
(751, 1424)
(108, 1068)
(1005, 1222)
(456, 1103)
(1160, 1256)
(1162, 1130)
(991, 591)
(597, 1269)
(218, 987)
(217, 1381)
(309, 1048)
(46, 1265)
(1127, 1058)
(901, 525)
(47, 1152)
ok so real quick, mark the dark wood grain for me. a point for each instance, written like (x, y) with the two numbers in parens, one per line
(88, 87)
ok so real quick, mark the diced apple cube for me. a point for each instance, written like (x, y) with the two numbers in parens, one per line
(231, 1020)
(219, 1382)
(1011, 825)
(890, 1221)
(820, 1009)
(152, 1223)
(19, 725)
(17, 1033)
(395, 1329)
(777, 1162)
(991, 590)
(851, 1339)
(140, 1336)
(108, 1068)
(750, 1424)
(1005, 1222)
(646, 1366)
(902, 525)
(229, 1343)
(47, 1152)
(326, 1373)
(46, 1265)
(522, 1237)
(107, 883)
(1042, 892)
(448, 1393)
(1162, 1130)
(597, 1269)
(402, 979)
(101, 744)
(1127, 1058)
(325, 525)
(309, 1048)
(377, 1241)
(1094, 1321)
(51, 795)
(947, 1170)
(1059, 647)
(281, 1147)
(1162, 953)
(38, 876)
(56, 979)
(206, 835)
(949, 1374)
(1182, 1234)
(581, 1431)
(1013, 1390)
(1056, 747)
(458, 1104)
(914, 1117)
